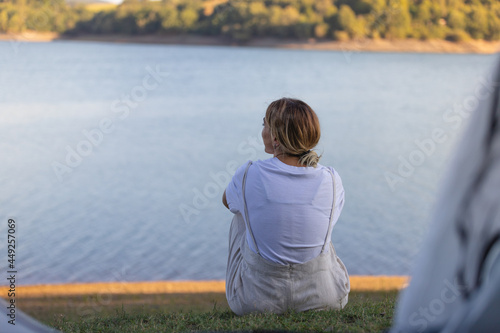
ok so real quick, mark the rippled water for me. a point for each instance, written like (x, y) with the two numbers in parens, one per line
(114, 157)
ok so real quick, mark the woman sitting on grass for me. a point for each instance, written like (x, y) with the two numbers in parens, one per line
(280, 252)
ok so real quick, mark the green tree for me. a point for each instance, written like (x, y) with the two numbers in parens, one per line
(493, 26)
(188, 17)
(325, 8)
(16, 23)
(423, 12)
(321, 30)
(4, 20)
(346, 18)
(348, 22)
(377, 6)
(258, 21)
(376, 19)
(456, 19)
(289, 16)
(360, 7)
(477, 24)
(169, 18)
(398, 20)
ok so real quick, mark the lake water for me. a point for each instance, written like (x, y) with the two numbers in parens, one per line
(114, 156)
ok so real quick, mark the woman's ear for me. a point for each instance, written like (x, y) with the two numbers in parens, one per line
(276, 144)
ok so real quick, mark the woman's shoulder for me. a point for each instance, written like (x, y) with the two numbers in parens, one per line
(326, 168)
(333, 171)
(258, 164)
(274, 165)
(241, 169)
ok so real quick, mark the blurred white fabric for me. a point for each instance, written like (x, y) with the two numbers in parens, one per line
(455, 282)
(23, 322)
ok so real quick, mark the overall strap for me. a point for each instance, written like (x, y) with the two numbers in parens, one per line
(247, 221)
(331, 214)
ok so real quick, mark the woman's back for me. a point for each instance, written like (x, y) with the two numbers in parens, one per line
(289, 208)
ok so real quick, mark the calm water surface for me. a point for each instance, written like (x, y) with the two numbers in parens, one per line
(114, 157)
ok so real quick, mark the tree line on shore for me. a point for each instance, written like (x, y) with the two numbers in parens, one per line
(242, 20)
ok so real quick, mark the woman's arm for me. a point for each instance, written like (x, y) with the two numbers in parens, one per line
(224, 201)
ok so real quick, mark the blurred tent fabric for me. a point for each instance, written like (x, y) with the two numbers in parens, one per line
(455, 283)
(23, 322)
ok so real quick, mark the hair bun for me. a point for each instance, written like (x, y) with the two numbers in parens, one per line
(309, 158)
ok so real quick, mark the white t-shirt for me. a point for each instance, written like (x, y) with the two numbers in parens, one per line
(289, 208)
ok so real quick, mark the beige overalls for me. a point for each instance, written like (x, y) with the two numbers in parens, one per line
(254, 284)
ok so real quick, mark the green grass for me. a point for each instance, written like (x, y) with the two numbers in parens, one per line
(365, 312)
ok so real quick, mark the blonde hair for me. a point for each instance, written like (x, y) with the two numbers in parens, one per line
(295, 126)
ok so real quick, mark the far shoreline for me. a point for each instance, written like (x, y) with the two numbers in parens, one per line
(349, 47)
